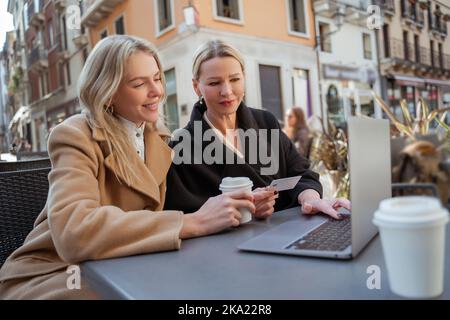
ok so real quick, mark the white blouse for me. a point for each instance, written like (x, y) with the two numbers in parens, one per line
(224, 139)
(136, 134)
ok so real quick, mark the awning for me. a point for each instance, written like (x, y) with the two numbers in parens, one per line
(21, 117)
(409, 81)
(419, 82)
(440, 83)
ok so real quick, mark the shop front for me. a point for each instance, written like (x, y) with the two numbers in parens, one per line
(411, 89)
(348, 91)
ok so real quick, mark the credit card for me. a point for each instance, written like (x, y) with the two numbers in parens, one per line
(285, 183)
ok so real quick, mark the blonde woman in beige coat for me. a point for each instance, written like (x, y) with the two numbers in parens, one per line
(107, 185)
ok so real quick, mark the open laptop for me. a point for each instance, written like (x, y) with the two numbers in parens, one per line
(370, 182)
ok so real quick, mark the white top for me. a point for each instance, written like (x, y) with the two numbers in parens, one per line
(136, 134)
(223, 139)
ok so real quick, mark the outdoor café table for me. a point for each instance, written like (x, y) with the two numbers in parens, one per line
(210, 268)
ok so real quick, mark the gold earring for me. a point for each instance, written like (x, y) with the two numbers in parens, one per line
(110, 109)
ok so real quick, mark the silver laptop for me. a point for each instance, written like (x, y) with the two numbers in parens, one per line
(370, 182)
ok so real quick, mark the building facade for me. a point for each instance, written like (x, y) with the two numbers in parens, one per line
(346, 49)
(276, 38)
(50, 52)
(414, 48)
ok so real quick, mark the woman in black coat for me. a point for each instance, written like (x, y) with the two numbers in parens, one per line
(225, 138)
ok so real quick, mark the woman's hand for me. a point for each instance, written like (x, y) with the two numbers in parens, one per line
(311, 203)
(264, 201)
(216, 214)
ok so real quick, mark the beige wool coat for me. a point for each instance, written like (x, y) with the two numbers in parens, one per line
(90, 215)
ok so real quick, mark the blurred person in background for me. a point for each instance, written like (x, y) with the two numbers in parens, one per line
(297, 130)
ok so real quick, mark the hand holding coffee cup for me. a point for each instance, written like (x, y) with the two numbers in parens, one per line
(230, 184)
(412, 231)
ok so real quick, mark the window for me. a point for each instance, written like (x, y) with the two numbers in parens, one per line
(301, 90)
(325, 39)
(25, 15)
(43, 83)
(441, 56)
(417, 48)
(64, 32)
(104, 34)
(297, 16)
(387, 49)
(165, 19)
(270, 82)
(405, 45)
(229, 9)
(120, 28)
(367, 46)
(51, 39)
(171, 105)
(432, 52)
(68, 80)
(430, 16)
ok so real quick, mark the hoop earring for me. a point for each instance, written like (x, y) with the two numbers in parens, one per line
(110, 109)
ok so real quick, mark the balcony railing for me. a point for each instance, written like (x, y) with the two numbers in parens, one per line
(38, 58)
(447, 62)
(35, 12)
(412, 13)
(96, 10)
(439, 26)
(421, 57)
(388, 6)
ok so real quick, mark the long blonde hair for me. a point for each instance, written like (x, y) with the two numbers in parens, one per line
(213, 49)
(99, 81)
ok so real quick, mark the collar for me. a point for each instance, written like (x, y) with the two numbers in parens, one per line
(131, 127)
(244, 116)
(158, 158)
(98, 133)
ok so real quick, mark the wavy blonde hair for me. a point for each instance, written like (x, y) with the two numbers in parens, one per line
(211, 50)
(99, 81)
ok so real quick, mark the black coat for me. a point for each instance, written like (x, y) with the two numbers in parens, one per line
(190, 185)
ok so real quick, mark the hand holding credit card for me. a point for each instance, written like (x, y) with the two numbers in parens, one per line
(285, 183)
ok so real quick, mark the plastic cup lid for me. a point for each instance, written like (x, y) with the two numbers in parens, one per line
(235, 182)
(411, 210)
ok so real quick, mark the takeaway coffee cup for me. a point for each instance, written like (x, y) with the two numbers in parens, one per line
(230, 184)
(412, 231)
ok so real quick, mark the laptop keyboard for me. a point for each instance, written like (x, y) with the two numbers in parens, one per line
(333, 235)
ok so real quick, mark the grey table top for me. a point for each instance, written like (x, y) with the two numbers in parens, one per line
(213, 268)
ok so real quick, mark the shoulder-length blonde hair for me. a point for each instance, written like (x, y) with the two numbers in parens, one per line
(98, 83)
(211, 50)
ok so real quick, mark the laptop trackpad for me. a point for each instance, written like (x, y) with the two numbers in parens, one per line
(283, 235)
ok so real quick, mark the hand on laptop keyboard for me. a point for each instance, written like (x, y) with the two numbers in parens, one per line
(311, 203)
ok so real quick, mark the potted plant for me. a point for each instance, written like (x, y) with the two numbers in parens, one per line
(423, 150)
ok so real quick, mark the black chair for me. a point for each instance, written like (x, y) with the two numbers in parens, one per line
(25, 165)
(410, 189)
(23, 195)
(29, 155)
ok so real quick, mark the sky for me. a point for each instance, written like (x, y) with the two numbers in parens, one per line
(6, 21)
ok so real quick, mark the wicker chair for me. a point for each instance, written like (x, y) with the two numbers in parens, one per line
(23, 195)
(25, 165)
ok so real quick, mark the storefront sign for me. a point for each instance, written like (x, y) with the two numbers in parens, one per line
(349, 73)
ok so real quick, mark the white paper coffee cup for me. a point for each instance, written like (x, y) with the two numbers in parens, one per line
(412, 231)
(230, 184)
